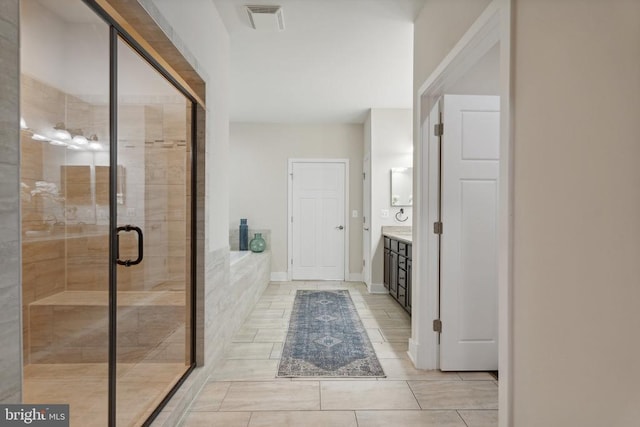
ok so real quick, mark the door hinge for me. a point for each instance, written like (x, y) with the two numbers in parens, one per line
(291, 261)
(363, 263)
(364, 176)
(437, 325)
(437, 227)
(438, 129)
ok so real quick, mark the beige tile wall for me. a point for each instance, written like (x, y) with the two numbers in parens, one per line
(10, 357)
(78, 333)
(154, 157)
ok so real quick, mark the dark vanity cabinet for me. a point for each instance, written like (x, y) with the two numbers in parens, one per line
(397, 270)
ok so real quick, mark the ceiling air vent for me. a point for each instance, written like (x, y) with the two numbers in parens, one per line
(266, 18)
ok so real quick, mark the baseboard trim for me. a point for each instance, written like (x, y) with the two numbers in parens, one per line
(279, 276)
(377, 288)
(356, 277)
(422, 356)
(413, 351)
(283, 276)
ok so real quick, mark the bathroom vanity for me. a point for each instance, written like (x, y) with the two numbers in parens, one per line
(397, 264)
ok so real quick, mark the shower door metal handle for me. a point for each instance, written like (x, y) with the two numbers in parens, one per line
(128, 262)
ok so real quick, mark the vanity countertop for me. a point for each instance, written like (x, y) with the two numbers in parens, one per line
(402, 233)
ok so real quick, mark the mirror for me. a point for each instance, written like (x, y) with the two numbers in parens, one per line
(77, 189)
(102, 185)
(401, 186)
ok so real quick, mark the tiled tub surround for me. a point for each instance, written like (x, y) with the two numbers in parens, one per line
(231, 292)
(234, 237)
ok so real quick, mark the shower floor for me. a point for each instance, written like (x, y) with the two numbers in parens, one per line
(140, 388)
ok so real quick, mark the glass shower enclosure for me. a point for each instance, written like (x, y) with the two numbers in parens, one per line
(107, 226)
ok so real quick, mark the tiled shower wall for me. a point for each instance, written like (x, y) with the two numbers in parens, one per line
(74, 256)
(10, 332)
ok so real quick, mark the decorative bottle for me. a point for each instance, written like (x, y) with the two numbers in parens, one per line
(244, 235)
(257, 243)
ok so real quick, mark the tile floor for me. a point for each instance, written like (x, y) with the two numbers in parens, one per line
(83, 386)
(244, 391)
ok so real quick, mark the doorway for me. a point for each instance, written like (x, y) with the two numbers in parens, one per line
(317, 219)
(107, 154)
(490, 33)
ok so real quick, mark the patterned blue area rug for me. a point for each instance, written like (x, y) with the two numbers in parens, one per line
(327, 339)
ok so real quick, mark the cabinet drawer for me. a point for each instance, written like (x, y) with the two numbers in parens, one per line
(394, 245)
(387, 243)
(402, 296)
(402, 262)
(387, 268)
(402, 277)
(402, 248)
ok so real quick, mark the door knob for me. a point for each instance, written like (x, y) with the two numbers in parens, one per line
(366, 229)
(339, 227)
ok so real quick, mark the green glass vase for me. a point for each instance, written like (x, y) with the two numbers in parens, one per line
(257, 244)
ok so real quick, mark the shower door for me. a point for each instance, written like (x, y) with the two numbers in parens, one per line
(106, 179)
(152, 201)
(64, 142)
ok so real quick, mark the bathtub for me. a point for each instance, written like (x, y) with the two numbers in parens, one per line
(236, 256)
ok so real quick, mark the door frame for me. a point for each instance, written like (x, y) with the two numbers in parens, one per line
(492, 26)
(347, 229)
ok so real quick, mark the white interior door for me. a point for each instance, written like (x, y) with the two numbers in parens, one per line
(318, 224)
(366, 220)
(469, 257)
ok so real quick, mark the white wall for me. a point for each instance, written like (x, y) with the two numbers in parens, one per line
(51, 46)
(200, 27)
(577, 213)
(576, 286)
(259, 177)
(390, 144)
(42, 46)
(438, 27)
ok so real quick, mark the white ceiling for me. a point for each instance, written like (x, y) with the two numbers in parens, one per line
(335, 60)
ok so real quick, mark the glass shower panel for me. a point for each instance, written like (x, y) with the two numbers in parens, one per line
(153, 315)
(65, 222)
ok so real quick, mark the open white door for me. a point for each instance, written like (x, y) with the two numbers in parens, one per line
(318, 220)
(468, 246)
